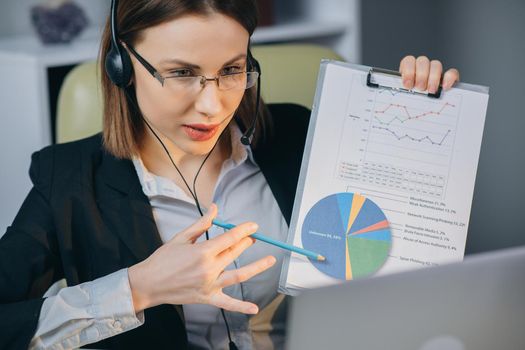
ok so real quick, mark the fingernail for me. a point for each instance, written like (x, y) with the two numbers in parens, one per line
(253, 310)
(254, 226)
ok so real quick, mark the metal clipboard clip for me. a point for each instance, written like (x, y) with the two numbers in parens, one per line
(370, 82)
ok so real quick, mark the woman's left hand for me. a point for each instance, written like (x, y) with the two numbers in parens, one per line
(423, 74)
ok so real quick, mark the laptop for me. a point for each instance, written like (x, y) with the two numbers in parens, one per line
(476, 304)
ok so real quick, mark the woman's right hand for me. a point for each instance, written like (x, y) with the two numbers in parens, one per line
(184, 272)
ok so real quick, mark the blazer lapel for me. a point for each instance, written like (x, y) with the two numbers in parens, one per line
(128, 208)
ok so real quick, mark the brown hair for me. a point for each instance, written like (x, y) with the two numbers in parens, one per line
(123, 127)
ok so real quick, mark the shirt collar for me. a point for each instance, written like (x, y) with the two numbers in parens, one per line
(156, 185)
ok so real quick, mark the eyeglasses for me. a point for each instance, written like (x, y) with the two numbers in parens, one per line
(183, 80)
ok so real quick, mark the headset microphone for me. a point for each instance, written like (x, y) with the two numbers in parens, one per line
(246, 137)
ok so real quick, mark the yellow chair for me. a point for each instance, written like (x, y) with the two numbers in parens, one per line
(289, 74)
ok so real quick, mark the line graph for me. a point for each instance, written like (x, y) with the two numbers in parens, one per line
(408, 114)
(403, 141)
(416, 124)
(421, 139)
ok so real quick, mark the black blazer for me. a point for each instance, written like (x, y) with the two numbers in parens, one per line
(86, 216)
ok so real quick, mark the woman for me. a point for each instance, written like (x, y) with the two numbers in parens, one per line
(117, 214)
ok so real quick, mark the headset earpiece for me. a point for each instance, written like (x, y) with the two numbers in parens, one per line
(118, 66)
(117, 63)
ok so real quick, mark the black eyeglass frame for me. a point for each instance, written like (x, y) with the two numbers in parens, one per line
(155, 73)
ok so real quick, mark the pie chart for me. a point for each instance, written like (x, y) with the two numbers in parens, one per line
(351, 231)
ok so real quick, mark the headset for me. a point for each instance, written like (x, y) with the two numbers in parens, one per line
(119, 69)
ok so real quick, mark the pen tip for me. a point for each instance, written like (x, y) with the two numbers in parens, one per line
(321, 258)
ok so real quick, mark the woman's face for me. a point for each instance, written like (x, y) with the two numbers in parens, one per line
(191, 118)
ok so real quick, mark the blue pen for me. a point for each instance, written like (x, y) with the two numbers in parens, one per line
(279, 244)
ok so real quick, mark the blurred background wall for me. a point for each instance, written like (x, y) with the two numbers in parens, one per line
(485, 40)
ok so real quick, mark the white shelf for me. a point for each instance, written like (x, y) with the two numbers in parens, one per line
(83, 48)
(86, 46)
(334, 23)
(299, 31)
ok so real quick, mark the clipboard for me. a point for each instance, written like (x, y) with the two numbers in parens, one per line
(404, 149)
(371, 81)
